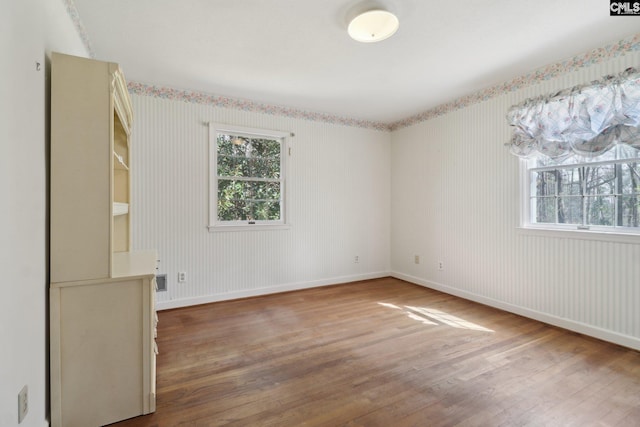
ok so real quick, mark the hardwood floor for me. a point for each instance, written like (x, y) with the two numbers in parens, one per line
(383, 353)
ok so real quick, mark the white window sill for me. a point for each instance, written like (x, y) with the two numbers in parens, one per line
(248, 227)
(568, 233)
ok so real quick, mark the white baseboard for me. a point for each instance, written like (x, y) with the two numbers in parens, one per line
(572, 325)
(186, 302)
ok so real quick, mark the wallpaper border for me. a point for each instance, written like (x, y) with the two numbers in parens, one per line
(196, 97)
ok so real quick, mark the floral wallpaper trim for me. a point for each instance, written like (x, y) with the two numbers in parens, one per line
(245, 105)
(593, 57)
(72, 11)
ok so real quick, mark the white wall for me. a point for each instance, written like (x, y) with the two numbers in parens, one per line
(455, 198)
(29, 31)
(338, 193)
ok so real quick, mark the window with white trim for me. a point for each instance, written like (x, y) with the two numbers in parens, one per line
(599, 194)
(246, 177)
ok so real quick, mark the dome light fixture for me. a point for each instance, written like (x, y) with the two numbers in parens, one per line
(373, 26)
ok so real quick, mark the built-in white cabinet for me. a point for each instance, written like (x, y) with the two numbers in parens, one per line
(91, 118)
(102, 295)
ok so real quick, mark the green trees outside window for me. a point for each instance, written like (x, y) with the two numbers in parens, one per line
(249, 178)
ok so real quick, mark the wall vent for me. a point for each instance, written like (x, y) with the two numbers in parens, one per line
(161, 283)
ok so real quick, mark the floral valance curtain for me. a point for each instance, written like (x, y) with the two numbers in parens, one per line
(586, 120)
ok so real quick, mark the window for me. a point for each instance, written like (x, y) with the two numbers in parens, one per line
(246, 177)
(599, 194)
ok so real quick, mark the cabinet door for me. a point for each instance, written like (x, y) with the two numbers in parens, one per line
(101, 352)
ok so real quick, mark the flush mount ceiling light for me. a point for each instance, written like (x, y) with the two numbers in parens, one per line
(373, 26)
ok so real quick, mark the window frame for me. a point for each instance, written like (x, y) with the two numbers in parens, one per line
(249, 132)
(598, 232)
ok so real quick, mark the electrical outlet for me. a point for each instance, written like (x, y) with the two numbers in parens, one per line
(23, 403)
(182, 277)
(356, 259)
(440, 265)
(416, 259)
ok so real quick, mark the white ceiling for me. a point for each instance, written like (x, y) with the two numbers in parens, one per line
(296, 53)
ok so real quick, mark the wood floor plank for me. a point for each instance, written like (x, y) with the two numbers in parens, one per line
(382, 353)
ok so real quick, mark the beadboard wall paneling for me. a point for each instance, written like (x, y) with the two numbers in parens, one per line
(455, 199)
(338, 192)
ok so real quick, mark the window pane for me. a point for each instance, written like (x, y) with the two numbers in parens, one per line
(253, 167)
(600, 210)
(232, 210)
(248, 157)
(263, 211)
(545, 209)
(230, 145)
(630, 182)
(570, 181)
(570, 210)
(265, 148)
(248, 200)
(249, 189)
(266, 167)
(630, 211)
(230, 165)
(249, 210)
(600, 179)
(545, 183)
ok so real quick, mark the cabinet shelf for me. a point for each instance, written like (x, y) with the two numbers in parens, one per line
(120, 208)
(118, 162)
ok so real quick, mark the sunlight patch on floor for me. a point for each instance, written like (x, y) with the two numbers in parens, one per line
(431, 316)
